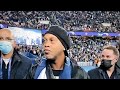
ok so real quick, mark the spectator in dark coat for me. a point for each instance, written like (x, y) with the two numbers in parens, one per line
(12, 64)
(108, 68)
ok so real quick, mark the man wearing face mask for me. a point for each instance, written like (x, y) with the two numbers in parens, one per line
(107, 69)
(12, 64)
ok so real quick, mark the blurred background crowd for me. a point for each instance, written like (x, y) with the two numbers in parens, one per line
(70, 20)
(83, 49)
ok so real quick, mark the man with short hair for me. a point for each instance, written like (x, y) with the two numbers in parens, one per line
(57, 64)
(12, 64)
(108, 68)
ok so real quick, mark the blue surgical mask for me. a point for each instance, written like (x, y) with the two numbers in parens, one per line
(5, 47)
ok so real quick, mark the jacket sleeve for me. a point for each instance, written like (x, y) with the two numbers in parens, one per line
(30, 73)
(32, 70)
(79, 73)
(83, 74)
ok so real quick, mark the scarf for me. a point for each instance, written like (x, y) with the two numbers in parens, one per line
(44, 71)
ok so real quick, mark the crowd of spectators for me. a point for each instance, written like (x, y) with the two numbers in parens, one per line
(83, 48)
(33, 49)
(70, 20)
(86, 49)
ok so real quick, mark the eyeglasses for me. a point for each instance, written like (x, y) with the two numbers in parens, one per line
(6, 39)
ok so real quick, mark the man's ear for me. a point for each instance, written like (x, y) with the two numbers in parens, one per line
(117, 58)
(14, 44)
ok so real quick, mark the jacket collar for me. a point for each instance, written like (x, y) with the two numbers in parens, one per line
(16, 57)
(117, 70)
(65, 75)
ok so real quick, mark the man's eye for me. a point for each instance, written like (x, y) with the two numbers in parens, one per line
(1, 38)
(102, 55)
(107, 56)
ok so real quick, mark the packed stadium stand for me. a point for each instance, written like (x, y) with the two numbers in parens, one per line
(84, 48)
(70, 20)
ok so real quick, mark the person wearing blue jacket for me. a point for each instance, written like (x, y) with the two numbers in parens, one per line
(57, 64)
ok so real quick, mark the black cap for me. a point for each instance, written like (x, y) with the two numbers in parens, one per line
(62, 35)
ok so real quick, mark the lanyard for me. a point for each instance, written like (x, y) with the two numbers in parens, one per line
(9, 68)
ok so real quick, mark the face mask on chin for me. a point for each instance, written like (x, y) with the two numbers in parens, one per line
(5, 47)
(106, 64)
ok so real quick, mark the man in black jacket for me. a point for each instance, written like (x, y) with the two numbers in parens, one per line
(108, 68)
(57, 64)
(12, 64)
